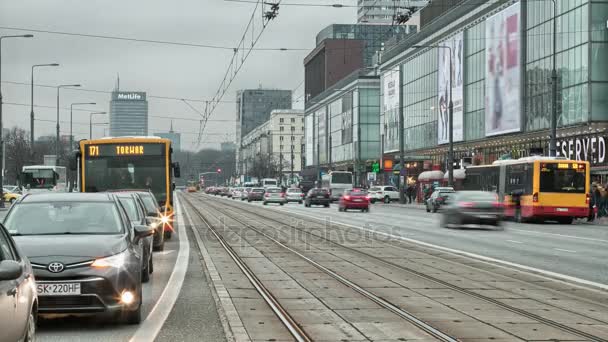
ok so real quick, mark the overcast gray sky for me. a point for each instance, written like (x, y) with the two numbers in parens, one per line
(162, 70)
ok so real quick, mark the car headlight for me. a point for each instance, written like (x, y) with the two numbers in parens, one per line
(116, 261)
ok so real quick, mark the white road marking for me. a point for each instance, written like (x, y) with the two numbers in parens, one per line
(165, 252)
(150, 327)
(554, 234)
(513, 241)
(570, 280)
(564, 250)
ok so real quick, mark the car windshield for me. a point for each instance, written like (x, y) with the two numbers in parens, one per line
(375, 188)
(149, 203)
(273, 190)
(294, 191)
(257, 190)
(356, 192)
(476, 196)
(57, 218)
(130, 207)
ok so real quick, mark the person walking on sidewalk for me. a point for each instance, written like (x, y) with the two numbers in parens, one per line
(410, 193)
(594, 199)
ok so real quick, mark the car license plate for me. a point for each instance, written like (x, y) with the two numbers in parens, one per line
(562, 209)
(58, 289)
(357, 200)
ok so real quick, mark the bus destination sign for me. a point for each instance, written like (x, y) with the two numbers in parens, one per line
(121, 150)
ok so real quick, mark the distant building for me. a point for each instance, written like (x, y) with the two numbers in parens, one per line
(176, 138)
(280, 138)
(383, 11)
(253, 109)
(128, 114)
(228, 146)
(344, 48)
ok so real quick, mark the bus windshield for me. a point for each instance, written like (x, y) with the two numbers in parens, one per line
(127, 172)
(562, 180)
(342, 178)
(40, 179)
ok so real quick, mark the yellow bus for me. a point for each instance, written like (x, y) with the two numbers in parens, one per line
(129, 163)
(535, 188)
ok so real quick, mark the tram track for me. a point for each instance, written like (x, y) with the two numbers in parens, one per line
(300, 335)
(464, 291)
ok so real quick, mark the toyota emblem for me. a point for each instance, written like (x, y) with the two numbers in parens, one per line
(55, 267)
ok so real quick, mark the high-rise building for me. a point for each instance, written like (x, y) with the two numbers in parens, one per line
(253, 109)
(176, 138)
(128, 114)
(384, 11)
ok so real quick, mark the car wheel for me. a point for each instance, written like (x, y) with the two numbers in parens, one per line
(434, 209)
(11, 200)
(30, 333)
(299, 202)
(264, 203)
(326, 205)
(168, 234)
(387, 199)
(249, 200)
(427, 209)
(373, 200)
(281, 203)
(340, 209)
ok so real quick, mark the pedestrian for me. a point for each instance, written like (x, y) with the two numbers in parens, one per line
(603, 203)
(594, 197)
(410, 193)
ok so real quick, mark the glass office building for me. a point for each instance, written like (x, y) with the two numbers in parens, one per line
(503, 49)
(128, 114)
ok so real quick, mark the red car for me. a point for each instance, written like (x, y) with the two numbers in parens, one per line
(354, 199)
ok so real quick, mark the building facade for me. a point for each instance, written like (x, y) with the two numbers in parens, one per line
(128, 114)
(227, 146)
(342, 127)
(500, 53)
(176, 138)
(253, 109)
(274, 148)
(383, 11)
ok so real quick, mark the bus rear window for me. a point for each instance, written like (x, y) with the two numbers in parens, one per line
(553, 179)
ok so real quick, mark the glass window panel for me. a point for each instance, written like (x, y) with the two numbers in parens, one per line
(599, 101)
(599, 67)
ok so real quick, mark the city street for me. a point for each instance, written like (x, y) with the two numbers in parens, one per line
(577, 250)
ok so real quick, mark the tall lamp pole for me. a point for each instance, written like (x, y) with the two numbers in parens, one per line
(1, 122)
(32, 99)
(91, 122)
(552, 143)
(57, 133)
(450, 114)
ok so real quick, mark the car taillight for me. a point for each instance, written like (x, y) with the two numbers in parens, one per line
(587, 199)
(497, 205)
(466, 204)
(535, 197)
(367, 198)
(347, 198)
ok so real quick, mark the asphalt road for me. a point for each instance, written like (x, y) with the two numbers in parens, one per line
(578, 250)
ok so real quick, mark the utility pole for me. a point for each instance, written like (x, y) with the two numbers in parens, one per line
(401, 141)
(553, 144)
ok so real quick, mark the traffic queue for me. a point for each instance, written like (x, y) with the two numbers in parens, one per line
(78, 254)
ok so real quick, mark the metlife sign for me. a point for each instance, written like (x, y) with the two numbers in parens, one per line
(129, 96)
(588, 148)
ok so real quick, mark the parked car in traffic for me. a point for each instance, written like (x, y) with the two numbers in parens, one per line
(472, 207)
(18, 297)
(245, 193)
(256, 194)
(317, 196)
(384, 193)
(236, 193)
(354, 199)
(294, 195)
(87, 257)
(438, 199)
(163, 229)
(274, 195)
(136, 213)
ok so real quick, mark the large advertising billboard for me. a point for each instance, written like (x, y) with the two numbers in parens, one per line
(309, 130)
(390, 108)
(503, 71)
(445, 80)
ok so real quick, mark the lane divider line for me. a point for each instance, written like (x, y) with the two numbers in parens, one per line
(529, 232)
(549, 275)
(231, 321)
(565, 250)
(513, 241)
(151, 326)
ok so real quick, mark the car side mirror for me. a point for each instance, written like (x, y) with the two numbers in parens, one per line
(10, 270)
(143, 231)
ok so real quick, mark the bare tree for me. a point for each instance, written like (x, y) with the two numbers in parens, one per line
(17, 153)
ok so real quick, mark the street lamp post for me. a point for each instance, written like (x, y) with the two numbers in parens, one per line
(1, 122)
(91, 123)
(32, 100)
(450, 115)
(57, 133)
(71, 116)
(552, 143)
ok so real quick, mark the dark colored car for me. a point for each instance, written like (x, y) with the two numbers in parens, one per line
(438, 199)
(18, 299)
(472, 207)
(136, 213)
(256, 194)
(317, 196)
(354, 199)
(153, 210)
(86, 255)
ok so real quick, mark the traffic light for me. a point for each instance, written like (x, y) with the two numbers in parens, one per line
(219, 170)
(376, 167)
